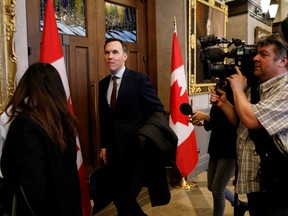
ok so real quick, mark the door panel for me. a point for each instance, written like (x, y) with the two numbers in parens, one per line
(80, 92)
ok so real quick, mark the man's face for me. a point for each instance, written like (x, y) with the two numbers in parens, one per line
(115, 56)
(265, 65)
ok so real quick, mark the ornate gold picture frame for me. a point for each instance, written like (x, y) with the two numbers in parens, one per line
(205, 17)
(8, 61)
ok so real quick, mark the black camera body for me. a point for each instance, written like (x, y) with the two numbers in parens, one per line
(214, 58)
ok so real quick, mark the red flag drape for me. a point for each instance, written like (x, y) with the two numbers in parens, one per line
(187, 155)
(51, 52)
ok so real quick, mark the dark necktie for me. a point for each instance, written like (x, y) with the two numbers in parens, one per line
(113, 94)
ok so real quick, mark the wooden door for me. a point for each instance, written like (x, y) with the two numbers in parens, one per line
(84, 57)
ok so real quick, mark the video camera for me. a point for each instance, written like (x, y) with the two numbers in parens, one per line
(213, 58)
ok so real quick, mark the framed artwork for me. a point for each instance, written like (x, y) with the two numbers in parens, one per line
(206, 17)
(8, 61)
(259, 32)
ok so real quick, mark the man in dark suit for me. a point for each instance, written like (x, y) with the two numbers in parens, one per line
(132, 159)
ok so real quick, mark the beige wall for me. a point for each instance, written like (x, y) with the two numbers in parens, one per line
(165, 12)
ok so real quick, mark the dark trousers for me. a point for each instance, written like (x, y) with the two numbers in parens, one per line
(260, 204)
(128, 188)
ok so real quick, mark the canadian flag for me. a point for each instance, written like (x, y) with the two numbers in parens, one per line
(186, 155)
(51, 52)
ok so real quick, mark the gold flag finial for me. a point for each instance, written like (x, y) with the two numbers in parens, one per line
(175, 24)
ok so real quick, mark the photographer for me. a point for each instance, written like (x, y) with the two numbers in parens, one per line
(264, 121)
(222, 152)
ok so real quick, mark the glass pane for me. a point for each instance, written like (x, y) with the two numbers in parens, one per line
(70, 16)
(120, 22)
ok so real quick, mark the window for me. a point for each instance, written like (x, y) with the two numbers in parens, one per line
(120, 22)
(70, 16)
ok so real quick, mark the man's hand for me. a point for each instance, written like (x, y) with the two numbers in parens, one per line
(238, 82)
(218, 97)
(103, 156)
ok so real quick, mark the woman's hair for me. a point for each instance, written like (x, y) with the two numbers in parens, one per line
(41, 95)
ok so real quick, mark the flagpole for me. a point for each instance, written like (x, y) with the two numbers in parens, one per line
(175, 24)
(183, 184)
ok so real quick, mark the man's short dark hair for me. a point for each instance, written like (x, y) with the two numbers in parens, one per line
(124, 45)
(274, 39)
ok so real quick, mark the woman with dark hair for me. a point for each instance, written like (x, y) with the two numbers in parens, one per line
(39, 154)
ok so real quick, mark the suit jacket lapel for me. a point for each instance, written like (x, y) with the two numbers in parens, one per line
(105, 86)
(124, 83)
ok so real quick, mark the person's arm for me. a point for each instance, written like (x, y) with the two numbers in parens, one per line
(104, 112)
(198, 118)
(243, 107)
(198, 115)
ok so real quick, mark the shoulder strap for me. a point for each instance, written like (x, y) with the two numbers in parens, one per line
(26, 201)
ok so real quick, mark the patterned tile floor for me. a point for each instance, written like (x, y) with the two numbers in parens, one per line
(197, 201)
